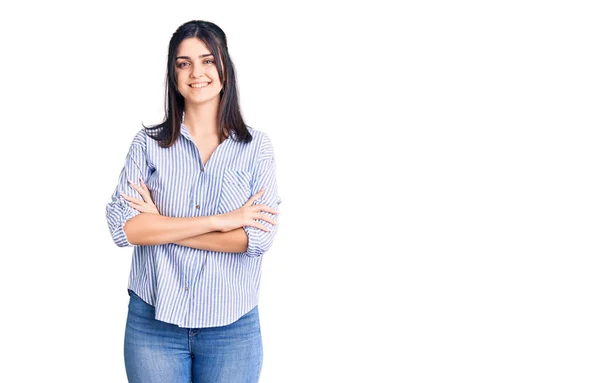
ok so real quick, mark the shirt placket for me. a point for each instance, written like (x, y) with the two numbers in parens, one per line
(199, 190)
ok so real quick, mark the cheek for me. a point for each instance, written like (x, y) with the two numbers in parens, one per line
(180, 79)
(214, 74)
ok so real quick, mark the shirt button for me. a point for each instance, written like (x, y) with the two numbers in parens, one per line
(186, 288)
(197, 206)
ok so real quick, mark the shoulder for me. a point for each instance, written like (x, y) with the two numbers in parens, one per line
(140, 140)
(141, 137)
(262, 144)
(259, 138)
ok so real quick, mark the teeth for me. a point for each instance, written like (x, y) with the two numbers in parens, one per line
(199, 85)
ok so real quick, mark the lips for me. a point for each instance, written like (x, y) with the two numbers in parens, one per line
(199, 85)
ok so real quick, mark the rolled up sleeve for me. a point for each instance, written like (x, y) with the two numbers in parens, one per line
(118, 211)
(259, 241)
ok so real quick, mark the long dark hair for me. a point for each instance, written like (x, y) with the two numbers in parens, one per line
(229, 115)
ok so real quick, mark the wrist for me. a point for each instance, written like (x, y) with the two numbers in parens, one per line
(214, 222)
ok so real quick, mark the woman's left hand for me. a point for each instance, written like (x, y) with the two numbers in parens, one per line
(145, 206)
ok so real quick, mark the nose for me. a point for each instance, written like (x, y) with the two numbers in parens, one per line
(197, 71)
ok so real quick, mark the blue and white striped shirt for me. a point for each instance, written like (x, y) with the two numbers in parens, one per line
(190, 287)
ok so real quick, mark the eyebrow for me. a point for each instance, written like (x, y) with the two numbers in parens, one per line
(187, 57)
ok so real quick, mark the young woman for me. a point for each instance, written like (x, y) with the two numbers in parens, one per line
(197, 198)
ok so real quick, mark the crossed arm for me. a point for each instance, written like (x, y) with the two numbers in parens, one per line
(149, 227)
(196, 232)
(234, 241)
(250, 229)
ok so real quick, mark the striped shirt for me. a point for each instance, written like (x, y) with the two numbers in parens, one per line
(190, 287)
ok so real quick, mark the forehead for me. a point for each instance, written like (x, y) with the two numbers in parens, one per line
(192, 47)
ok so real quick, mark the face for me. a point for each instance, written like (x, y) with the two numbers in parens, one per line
(195, 65)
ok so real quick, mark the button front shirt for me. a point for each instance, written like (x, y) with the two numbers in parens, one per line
(190, 287)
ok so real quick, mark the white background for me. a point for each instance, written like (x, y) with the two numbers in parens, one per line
(437, 162)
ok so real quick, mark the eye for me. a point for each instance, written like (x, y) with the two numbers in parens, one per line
(180, 65)
(210, 61)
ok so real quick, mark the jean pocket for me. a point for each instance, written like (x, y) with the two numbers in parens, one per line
(236, 189)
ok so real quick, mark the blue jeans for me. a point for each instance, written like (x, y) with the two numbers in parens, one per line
(157, 351)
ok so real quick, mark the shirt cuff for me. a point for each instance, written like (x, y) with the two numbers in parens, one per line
(118, 214)
(253, 241)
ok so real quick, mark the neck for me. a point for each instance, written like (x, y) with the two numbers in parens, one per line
(201, 119)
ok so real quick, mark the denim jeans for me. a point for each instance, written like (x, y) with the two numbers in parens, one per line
(157, 351)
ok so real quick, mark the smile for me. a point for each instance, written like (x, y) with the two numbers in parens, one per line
(201, 85)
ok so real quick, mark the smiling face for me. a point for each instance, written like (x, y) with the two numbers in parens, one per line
(196, 72)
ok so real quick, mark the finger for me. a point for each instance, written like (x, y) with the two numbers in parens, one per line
(147, 196)
(265, 217)
(258, 225)
(144, 208)
(144, 186)
(140, 189)
(133, 199)
(133, 185)
(266, 208)
(254, 198)
(135, 206)
(144, 189)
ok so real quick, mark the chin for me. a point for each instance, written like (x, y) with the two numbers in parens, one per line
(198, 100)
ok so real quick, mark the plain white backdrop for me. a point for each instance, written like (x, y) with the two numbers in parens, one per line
(437, 163)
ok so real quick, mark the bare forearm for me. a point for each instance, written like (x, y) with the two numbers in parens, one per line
(154, 229)
(234, 241)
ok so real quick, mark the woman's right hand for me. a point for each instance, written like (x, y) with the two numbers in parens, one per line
(247, 215)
